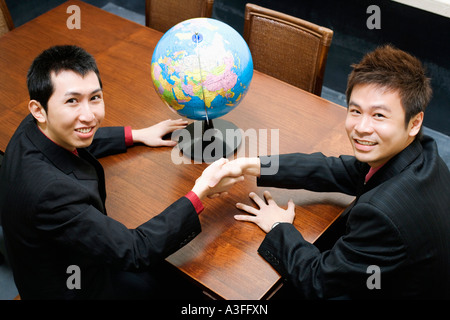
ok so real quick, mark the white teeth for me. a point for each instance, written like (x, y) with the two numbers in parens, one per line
(366, 143)
(86, 130)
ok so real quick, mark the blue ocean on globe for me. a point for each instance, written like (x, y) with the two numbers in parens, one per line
(202, 68)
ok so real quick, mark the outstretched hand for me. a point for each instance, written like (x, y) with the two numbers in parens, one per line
(237, 167)
(215, 180)
(153, 136)
(268, 213)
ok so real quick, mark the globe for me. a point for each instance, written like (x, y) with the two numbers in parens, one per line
(202, 68)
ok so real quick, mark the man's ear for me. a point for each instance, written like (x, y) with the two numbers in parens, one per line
(37, 110)
(415, 124)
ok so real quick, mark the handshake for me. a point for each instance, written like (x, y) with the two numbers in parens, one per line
(222, 174)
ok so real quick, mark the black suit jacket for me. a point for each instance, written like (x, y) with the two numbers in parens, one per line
(399, 222)
(53, 213)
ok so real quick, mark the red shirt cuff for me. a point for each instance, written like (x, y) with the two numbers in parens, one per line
(128, 136)
(196, 202)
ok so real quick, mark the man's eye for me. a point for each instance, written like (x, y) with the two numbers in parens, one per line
(96, 97)
(71, 100)
(379, 115)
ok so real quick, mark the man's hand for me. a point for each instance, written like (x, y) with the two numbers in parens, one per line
(153, 136)
(215, 181)
(268, 213)
(238, 167)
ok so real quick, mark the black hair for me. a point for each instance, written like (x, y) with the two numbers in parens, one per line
(57, 59)
(394, 69)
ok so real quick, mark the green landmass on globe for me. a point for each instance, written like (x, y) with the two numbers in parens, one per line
(202, 68)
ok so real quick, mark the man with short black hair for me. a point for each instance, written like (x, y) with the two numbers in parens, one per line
(52, 192)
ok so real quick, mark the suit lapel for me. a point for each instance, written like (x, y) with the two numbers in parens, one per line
(100, 174)
(85, 168)
(394, 166)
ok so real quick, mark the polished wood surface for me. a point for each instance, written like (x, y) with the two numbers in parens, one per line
(223, 259)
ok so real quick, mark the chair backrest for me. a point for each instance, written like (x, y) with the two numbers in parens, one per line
(164, 14)
(286, 47)
(6, 23)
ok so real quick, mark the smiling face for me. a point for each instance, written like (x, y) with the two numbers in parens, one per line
(75, 110)
(375, 124)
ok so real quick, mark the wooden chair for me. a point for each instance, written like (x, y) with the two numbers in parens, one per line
(164, 14)
(6, 23)
(286, 47)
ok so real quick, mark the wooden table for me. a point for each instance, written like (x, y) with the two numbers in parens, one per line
(223, 259)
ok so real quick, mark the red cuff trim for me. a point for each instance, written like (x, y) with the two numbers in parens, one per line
(196, 202)
(128, 136)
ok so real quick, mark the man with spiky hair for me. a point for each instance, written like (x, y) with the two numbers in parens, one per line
(395, 237)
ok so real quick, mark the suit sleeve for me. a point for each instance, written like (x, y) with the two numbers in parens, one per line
(63, 214)
(108, 141)
(314, 172)
(341, 271)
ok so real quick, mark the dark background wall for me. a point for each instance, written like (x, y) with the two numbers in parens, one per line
(423, 34)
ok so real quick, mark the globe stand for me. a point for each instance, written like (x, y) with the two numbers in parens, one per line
(209, 140)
